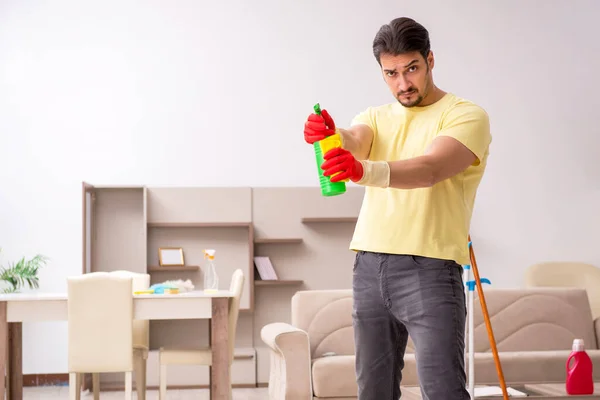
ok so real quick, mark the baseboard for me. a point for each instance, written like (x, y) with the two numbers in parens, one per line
(30, 380)
(45, 379)
(109, 387)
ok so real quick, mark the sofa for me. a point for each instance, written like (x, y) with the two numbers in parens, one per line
(313, 356)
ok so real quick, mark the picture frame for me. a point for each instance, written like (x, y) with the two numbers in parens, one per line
(170, 256)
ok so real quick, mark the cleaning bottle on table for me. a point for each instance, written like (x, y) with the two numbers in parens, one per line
(580, 373)
(211, 279)
(321, 147)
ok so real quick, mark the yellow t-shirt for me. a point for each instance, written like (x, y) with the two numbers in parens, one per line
(431, 222)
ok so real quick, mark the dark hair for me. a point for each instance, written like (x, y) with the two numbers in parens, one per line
(402, 35)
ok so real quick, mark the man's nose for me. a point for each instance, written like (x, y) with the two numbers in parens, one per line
(403, 84)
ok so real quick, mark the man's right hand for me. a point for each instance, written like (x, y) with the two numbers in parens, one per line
(318, 127)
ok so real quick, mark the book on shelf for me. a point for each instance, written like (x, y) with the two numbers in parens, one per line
(265, 268)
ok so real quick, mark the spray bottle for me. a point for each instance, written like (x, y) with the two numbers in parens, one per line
(211, 279)
(321, 147)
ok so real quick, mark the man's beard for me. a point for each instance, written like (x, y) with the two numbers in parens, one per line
(419, 99)
(411, 103)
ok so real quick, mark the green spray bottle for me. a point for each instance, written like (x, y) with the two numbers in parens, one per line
(321, 147)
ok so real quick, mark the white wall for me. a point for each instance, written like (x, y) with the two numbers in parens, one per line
(189, 93)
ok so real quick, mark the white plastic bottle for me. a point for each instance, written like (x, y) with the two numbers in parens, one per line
(211, 279)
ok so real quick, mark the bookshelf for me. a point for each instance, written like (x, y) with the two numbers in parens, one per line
(304, 234)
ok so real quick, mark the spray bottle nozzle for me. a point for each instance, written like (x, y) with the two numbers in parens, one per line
(209, 253)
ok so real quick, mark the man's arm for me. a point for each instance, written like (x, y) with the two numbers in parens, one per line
(462, 142)
(357, 140)
(443, 159)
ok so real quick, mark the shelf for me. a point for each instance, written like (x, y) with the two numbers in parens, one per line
(156, 268)
(277, 240)
(277, 282)
(198, 224)
(118, 187)
(308, 220)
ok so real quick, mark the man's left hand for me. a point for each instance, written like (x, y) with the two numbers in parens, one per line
(343, 164)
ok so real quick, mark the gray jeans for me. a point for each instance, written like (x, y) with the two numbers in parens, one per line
(400, 295)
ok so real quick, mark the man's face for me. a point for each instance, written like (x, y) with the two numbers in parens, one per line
(408, 76)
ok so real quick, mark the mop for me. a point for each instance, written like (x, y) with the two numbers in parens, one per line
(470, 285)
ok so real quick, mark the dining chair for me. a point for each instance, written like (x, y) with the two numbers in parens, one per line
(203, 356)
(141, 338)
(100, 328)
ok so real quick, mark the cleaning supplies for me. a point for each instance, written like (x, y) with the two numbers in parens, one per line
(211, 279)
(168, 287)
(321, 147)
(161, 288)
(580, 378)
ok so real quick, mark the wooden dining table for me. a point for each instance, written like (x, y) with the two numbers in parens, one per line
(19, 308)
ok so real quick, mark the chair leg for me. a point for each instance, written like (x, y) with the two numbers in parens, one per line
(96, 385)
(128, 385)
(139, 368)
(73, 388)
(79, 381)
(162, 382)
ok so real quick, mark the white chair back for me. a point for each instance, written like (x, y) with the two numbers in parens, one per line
(236, 286)
(141, 328)
(100, 324)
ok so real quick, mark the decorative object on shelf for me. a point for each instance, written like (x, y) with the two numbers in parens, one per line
(22, 272)
(265, 268)
(170, 256)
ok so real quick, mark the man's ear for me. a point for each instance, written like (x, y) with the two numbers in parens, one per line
(430, 59)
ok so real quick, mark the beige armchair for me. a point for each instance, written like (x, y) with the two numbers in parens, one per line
(100, 328)
(567, 274)
(203, 356)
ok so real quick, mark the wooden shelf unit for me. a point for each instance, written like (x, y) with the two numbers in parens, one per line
(277, 282)
(311, 220)
(305, 234)
(278, 240)
(183, 268)
(198, 224)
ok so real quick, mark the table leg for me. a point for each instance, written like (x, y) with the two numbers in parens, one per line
(15, 360)
(3, 348)
(220, 381)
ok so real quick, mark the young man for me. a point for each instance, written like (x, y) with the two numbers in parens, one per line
(421, 160)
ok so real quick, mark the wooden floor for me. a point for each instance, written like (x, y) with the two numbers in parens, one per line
(62, 393)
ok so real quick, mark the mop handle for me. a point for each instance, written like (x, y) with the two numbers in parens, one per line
(486, 317)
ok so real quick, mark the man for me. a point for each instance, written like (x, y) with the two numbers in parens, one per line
(421, 159)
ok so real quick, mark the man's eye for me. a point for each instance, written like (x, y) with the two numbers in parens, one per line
(390, 74)
(412, 69)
